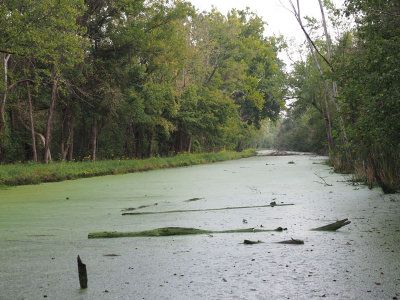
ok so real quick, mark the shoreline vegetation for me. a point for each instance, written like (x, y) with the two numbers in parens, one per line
(34, 173)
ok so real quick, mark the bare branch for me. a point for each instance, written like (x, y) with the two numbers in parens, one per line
(322, 178)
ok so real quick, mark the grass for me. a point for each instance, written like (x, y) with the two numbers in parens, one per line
(33, 173)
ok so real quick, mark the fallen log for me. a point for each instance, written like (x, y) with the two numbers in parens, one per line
(272, 204)
(170, 231)
(333, 226)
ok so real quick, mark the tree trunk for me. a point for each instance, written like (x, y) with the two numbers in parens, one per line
(189, 149)
(138, 143)
(150, 150)
(181, 142)
(32, 125)
(129, 139)
(328, 124)
(239, 147)
(212, 73)
(68, 125)
(6, 57)
(94, 140)
(71, 136)
(47, 154)
(332, 95)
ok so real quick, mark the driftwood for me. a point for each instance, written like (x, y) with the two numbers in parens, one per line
(82, 274)
(333, 226)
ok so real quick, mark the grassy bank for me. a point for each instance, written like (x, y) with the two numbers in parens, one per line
(31, 173)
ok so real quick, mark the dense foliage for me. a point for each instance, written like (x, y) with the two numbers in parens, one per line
(365, 69)
(103, 79)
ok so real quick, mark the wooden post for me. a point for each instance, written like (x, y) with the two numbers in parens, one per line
(82, 274)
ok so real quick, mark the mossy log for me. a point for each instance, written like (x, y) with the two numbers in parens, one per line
(333, 226)
(169, 231)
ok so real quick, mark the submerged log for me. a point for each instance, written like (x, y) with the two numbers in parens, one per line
(292, 242)
(170, 231)
(82, 274)
(249, 242)
(333, 226)
(272, 204)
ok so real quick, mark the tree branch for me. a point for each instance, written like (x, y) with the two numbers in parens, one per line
(6, 52)
(298, 18)
(384, 12)
(19, 82)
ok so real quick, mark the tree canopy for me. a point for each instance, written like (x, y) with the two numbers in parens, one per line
(88, 79)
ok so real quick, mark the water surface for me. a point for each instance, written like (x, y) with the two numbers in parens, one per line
(44, 227)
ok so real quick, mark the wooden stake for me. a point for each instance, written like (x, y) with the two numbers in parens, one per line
(82, 274)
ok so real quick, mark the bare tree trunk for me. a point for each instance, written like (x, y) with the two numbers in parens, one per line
(32, 125)
(6, 57)
(94, 139)
(52, 107)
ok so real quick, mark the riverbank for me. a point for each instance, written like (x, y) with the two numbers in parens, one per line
(33, 173)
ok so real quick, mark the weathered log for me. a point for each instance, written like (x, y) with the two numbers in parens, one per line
(333, 226)
(82, 274)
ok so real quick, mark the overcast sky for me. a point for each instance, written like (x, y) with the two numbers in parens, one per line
(280, 20)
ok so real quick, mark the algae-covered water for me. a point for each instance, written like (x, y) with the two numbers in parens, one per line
(44, 227)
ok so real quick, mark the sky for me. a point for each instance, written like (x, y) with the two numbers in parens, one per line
(280, 21)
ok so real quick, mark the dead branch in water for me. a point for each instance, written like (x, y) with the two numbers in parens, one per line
(323, 179)
(333, 226)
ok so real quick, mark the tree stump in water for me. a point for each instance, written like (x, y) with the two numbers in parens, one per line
(82, 274)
